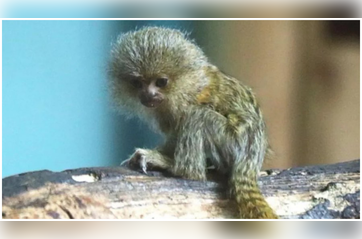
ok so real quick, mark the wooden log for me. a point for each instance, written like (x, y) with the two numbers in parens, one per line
(312, 192)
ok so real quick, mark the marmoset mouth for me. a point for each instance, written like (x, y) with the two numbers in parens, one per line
(151, 104)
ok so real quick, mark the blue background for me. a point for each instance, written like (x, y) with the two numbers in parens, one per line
(57, 113)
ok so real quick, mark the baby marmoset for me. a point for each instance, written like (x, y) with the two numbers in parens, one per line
(165, 79)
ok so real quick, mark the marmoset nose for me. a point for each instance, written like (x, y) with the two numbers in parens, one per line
(150, 99)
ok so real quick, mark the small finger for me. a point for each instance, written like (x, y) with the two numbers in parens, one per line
(124, 162)
(143, 164)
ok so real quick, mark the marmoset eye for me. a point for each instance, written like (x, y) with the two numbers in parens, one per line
(161, 82)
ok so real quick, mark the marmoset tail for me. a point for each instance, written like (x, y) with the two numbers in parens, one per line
(165, 79)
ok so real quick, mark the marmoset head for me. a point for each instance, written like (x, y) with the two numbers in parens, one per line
(151, 64)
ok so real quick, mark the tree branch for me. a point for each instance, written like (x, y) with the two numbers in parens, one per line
(325, 191)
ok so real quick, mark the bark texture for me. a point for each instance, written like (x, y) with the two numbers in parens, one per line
(312, 192)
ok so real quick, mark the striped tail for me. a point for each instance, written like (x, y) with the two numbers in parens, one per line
(251, 202)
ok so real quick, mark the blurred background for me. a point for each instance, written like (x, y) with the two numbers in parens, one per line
(199, 229)
(57, 114)
(180, 9)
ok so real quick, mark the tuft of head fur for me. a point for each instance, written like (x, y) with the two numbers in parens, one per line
(154, 50)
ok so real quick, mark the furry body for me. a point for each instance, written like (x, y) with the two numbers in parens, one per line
(166, 80)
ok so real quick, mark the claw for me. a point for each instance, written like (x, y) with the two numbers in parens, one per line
(144, 169)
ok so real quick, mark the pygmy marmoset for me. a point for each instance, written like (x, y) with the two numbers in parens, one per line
(165, 79)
